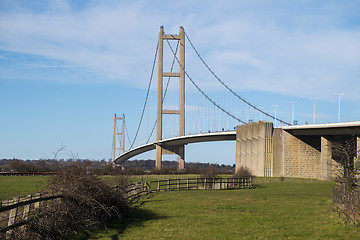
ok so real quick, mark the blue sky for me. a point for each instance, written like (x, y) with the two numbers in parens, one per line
(67, 66)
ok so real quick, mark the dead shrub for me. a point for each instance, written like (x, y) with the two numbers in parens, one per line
(347, 199)
(347, 183)
(209, 173)
(86, 203)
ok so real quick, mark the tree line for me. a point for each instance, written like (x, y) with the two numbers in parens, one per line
(103, 167)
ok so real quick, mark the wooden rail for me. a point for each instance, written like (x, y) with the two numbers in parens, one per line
(201, 184)
(19, 211)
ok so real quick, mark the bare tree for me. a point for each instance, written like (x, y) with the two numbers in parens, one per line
(347, 181)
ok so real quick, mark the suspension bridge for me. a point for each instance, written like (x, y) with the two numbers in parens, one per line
(210, 110)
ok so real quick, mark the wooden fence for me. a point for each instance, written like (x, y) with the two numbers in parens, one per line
(19, 211)
(200, 184)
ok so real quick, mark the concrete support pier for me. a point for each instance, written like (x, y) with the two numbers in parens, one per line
(254, 148)
(294, 151)
(326, 159)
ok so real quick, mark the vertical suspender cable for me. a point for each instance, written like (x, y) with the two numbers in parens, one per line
(242, 99)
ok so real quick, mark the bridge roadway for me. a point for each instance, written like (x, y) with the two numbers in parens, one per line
(203, 137)
(329, 129)
(326, 129)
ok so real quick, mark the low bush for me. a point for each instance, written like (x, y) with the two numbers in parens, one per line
(347, 182)
(243, 172)
(209, 172)
(86, 203)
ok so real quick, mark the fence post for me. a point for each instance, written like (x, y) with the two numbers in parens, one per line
(187, 184)
(158, 188)
(197, 184)
(12, 216)
(205, 183)
(221, 183)
(178, 184)
(26, 211)
(168, 185)
(37, 204)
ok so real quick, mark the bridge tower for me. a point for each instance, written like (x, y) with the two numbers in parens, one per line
(179, 149)
(122, 133)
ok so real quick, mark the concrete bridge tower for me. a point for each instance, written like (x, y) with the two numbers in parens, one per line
(179, 149)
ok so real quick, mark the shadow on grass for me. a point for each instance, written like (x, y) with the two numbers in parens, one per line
(135, 217)
(257, 186)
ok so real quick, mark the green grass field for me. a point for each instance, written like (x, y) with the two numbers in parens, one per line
(290, 209)
(20, 186)
(294, 209)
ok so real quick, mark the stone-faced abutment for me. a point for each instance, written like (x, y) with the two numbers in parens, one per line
(295, 151)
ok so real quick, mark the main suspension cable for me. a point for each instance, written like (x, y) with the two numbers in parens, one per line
(127, 134)
(147, 96)
(242, 99)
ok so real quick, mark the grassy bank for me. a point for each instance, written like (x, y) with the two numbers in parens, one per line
(278, 210)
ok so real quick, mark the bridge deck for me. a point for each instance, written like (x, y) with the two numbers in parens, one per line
(343, 128)
(183, 140)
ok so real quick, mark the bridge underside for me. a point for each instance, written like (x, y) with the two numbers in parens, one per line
(172, 143)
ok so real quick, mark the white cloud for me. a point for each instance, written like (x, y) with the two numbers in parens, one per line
(298, 51)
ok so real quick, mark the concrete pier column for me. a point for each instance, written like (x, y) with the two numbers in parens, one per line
(326, 158)
(159, 100)
(238, 150)
(254, 148)
(158, 157)
(259, 141)
(242, 158)
(181, 158)
(249, 146)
